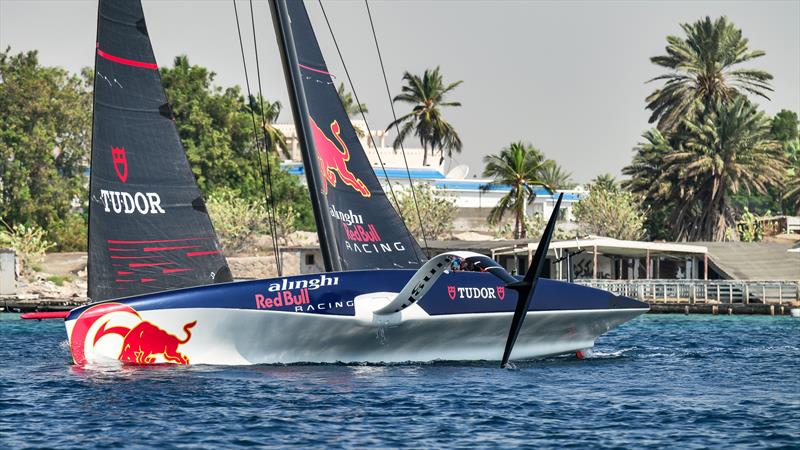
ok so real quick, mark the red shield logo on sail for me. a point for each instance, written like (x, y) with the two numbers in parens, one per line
(120, 162)
(451, 291)
(333, 160)
(501, 292)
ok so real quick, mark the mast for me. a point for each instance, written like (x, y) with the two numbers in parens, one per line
(297, 98)
(90, 278)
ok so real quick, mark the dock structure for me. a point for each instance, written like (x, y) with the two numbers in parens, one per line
(773, 297)
(23, 303)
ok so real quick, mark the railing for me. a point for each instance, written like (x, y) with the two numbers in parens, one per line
(700, 291)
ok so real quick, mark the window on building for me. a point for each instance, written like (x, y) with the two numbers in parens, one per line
(310, 259)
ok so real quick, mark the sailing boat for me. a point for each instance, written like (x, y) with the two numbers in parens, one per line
(163, 285)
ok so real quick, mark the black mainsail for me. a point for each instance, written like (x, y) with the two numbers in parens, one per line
(148, 226)
(357, 225)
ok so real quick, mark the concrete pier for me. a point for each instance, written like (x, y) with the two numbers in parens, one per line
(32, 303)
(728, 309)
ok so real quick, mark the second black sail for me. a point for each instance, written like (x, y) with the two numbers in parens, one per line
(357, 224)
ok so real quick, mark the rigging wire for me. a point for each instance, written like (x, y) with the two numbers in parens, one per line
(364, 117)
(258, 144)
(397, 127)
(266, 149)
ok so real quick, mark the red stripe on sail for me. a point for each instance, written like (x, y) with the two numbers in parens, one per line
(175, 270)
(161, 249)
(214, 252)
(127, 62)
(119, 280)
(135, 257)
(112, 249)
(155, 241)
(150, 264)
(317, 70)
(124, 272)
(147, 280)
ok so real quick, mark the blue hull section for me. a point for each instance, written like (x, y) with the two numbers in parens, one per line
(333, 293)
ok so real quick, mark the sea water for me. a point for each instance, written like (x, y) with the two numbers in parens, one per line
(657, 381)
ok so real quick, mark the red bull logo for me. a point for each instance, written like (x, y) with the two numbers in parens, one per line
(333, 161)
(284, 298)
(143, 343)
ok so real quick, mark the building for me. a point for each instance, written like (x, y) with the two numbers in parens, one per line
(473, 201)
(602, 258)
(599, 257)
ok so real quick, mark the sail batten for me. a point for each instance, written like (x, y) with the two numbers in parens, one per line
(357, 224)
(142, 190)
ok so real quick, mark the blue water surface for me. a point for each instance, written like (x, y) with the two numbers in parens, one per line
(658, 381)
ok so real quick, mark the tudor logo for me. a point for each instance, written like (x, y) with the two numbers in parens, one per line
(476, 293)
(127, 202)
(120, 162)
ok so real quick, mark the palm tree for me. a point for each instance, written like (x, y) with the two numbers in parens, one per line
(553, 175)
(517, 166)
(792, 193)
(654, 188)
(275, 140)
(647, 167)
(604, 181)
(727, 148)
(427, 94)
(703, 71)
(352, 108)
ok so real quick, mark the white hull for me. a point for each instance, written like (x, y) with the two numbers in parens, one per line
(238, 337)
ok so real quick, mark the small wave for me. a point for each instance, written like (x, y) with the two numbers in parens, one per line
(595, 354)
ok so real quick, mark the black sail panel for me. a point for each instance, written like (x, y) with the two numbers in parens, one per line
(361, 227)
(148, 226)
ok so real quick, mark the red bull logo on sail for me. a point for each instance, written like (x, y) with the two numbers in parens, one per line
(333, 160)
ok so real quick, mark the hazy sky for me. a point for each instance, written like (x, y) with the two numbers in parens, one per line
(567, 76)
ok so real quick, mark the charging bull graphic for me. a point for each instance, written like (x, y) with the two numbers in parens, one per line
(141, 344)
(331, 160)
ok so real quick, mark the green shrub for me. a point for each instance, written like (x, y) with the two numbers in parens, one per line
(438, 211)
(59, 280)
(236, 220)
(70, 234)
(611, 213)
(28, 241)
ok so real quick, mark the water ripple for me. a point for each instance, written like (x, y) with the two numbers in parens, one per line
(658, 381)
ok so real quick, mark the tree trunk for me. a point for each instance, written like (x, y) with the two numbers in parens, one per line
(521, 220)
